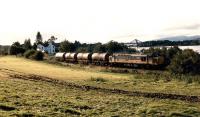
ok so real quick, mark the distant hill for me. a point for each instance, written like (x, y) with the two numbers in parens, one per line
(179, 38)
(173, 41)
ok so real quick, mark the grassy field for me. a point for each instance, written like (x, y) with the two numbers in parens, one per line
(86, 75)
(21, 97)
(54, 71)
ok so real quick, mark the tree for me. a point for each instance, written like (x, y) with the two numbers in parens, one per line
(27, 44)
(172, 51)
(184, 62)
(16, 48)
(114, 46)
(82, 49)
(38, 38)
(34, 46)
(66, 46)
(29, 53)
(38, 55)
(77, 44)
(99, 48)
(46, 43)
(90, 47)
(52, 39)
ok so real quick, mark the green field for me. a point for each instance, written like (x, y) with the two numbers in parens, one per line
(21, 96)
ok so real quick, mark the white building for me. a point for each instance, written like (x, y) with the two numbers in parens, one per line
(50, 49)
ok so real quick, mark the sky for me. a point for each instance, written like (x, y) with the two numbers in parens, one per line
(90, 21)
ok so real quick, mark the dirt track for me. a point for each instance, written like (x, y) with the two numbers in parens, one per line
(19, 75)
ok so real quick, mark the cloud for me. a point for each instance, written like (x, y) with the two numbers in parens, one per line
(185, 27)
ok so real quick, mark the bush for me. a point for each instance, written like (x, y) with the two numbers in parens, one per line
(38, 55)
(185, 62)
(98, 79)
(29, 53)
(16, 48)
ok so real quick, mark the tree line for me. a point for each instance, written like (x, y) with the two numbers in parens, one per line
(169, 43)
(67, 46)
(110, 47)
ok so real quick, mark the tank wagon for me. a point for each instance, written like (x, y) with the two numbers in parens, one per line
(100, 58)
(71, 57)
(84, 58)
(60, 56)
(117, 59)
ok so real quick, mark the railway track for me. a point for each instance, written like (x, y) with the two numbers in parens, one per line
(37, 78)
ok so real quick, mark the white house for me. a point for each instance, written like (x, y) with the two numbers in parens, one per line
(50, 49)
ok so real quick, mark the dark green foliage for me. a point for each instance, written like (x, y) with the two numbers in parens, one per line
(184, 62)
(77, 44)
(29, 53)
(16, 48)
(52, 39)
(114, 46)
(99, 48)
(169, 43)
(110, 47)
(66, 46)
(34, 46)
(38, 38)
(27, 44)
(172, 51)
(157, 43)
(90, 47)
(82, 49)
(46, 43)
(38, 55)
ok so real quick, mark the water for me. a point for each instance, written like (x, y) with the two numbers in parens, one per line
(195, 48)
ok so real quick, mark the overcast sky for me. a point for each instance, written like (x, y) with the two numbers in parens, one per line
(97, 20)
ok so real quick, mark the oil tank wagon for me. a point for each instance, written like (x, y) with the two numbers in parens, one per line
(84, 58)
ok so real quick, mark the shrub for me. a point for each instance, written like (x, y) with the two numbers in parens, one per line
(38, 55)
(185, 62)
(98, 79)
(29, 53)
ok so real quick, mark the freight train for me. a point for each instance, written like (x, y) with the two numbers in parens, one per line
(116, 59)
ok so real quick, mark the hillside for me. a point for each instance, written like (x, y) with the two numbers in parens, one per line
(179, 38)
